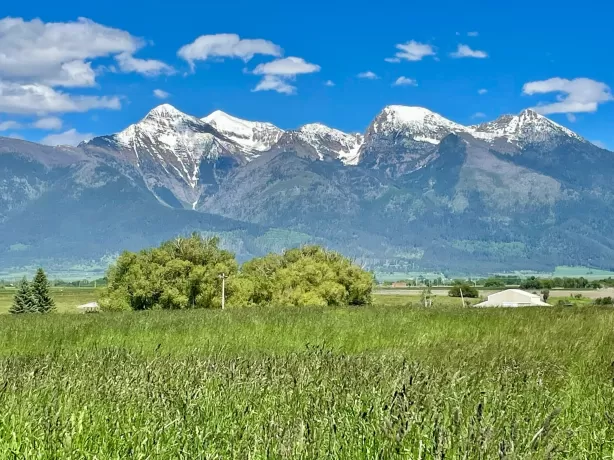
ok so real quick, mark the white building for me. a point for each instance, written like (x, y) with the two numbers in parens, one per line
(513, 298)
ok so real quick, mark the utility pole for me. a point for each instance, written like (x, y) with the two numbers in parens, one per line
(223, 277)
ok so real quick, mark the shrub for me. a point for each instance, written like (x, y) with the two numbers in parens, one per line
(468, 291)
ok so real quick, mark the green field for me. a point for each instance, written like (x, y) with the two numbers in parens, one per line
(387, 381)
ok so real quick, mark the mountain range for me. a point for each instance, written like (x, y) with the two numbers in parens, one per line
(414, 191)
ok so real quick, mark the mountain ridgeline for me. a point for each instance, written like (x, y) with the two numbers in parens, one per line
(415, 191)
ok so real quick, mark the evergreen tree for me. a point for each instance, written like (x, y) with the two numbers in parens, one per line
(24, 301)
(40, 291)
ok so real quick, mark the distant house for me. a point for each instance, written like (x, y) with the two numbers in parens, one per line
(513, 298)
(399, 284)
(89, 307)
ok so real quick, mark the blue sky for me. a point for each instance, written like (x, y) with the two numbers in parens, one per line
(554, 55)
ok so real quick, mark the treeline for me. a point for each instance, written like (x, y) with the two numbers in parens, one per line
(191, 272)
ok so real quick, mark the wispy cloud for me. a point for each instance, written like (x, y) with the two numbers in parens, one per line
(160, 94)
(464, 51)
(473, 34)
(412, 51)
(478, 115)
(70, 137)
(368, 75)
(329, 83)
(482, 91)
(8, 125)
(404, 81)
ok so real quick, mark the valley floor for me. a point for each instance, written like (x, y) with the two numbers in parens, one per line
(387, 381)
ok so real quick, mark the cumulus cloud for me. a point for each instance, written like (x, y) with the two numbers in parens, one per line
(48, 123)
(368, 75)
(160, 94)
(404, 81)
(10, 124)
(412, 51)
(41, 99)
(148, 67)
(278, 74)
(70, 137)
(275, 83)
(226, 46)
(61, 53)
(464, 51)
(329, 83)
(573, 96)
(482, 91)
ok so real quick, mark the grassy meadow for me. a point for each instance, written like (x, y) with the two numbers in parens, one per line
(388, 381)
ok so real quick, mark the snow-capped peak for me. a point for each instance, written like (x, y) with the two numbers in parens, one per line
(525, 128)
(250, 135)
(327, 141)
(420, 123)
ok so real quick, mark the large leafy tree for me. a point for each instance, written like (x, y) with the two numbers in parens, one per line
(181, 273)
(23, 301)
(44, 303)
(305, 276)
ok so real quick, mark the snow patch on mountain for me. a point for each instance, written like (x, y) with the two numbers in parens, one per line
(528, 127)
(419, 123)
(323, 139)
(252, 136)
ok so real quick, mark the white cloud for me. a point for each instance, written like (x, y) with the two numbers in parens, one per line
(226, 45)
(404, 81)
(329, 83)
(478, 115)
(286, 67)
(60, 53)
(368, 75)
(10, 124)
(482, 91)
(48, 123)
(571, 118)
(600, 144)
(278, 73)
(473, 34)
(70, 137)
(393, 60)
(160, 94)
(275, 83)
(41, 99)
(573, 96)
(412, 51)
(464, 51)
(148, 67)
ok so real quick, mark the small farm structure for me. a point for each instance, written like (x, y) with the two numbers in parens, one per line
(91, 307)
(513, 298)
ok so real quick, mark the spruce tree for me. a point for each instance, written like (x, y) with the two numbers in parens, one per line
(40, 291)
(23, 301)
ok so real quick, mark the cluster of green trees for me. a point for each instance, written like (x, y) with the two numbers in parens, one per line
(33, 297)
(185, 273)
(568, 283)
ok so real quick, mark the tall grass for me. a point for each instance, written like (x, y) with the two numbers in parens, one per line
(388, 381)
